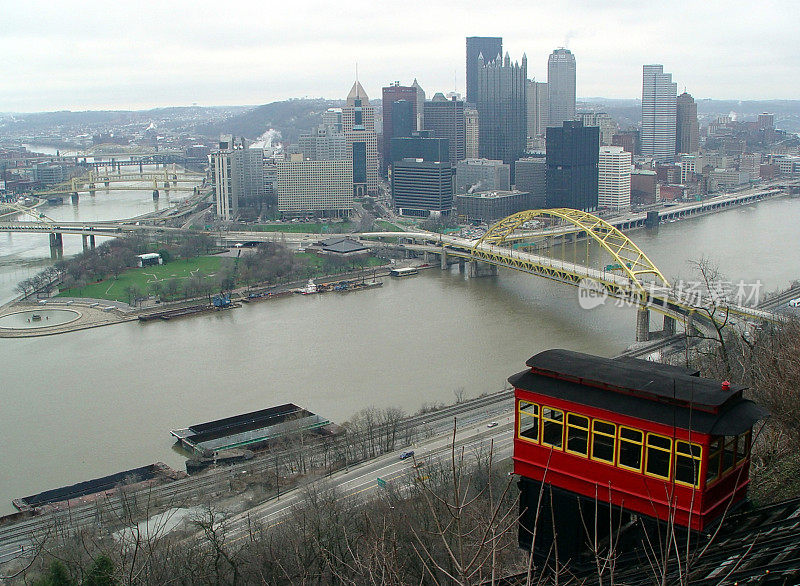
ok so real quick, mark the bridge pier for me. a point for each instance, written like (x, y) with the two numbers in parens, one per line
(91, 189)
(481, 269)
(74, 197)
(443, 259)
(56, 245)
(669, 326)
(155, 194)
(461, 265)
(642, 324)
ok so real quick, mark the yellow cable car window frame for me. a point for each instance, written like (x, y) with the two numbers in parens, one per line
(639, 443)
(612, 436)
(668, 451)
(714, 453)
(522, 413)
(579, 428)
(551, 421)
(696, 461)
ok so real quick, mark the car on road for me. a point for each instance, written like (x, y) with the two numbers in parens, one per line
(406, 454)
(795, 302)
(492, 424)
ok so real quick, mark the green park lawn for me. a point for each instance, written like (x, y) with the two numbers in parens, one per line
(384, 226)
(116, 289)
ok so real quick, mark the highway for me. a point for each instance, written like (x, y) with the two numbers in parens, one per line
(472, 416)
(475, 439)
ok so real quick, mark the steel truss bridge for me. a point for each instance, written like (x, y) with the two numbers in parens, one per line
(579, 249)
(563, 245)
(92, 182)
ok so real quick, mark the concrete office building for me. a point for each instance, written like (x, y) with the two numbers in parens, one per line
(445, 119)
(422, 188)
(687, 128)
(608, 127)
(561, 86)
(314, 188)
(502, 109)
(659, 111)
(490, 206)
(490, 48)
(614, 178)
(324, 144)
(572, 160)
(471, 132)
(237, 174)
(530, 175)
(482, 175)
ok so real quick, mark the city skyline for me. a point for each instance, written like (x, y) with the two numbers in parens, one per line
(57, 58)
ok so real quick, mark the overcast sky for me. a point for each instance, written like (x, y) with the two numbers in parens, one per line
(134, 55)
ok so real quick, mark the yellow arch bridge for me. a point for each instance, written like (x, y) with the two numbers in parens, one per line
(580, 249)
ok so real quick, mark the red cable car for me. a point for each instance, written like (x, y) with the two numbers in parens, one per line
(630, 435)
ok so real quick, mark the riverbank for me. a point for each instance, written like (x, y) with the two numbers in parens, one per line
(95, 313)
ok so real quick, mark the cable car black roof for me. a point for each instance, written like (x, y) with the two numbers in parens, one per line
(641, 389)
(640, 377)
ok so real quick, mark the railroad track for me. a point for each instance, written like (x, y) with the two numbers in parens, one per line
(28, 532)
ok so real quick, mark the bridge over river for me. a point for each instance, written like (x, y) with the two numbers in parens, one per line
(604, 261)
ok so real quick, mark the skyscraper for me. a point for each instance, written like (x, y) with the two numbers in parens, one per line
(538, 108)
(687, 129)
(471, 131)
(420, 105)
(502, 109)
(491, 48)
(572, 160)
(561, 86)
(404, 123)
(445, 118)
(358, 124)
(659, 95)
(614, 178)
(390, 95)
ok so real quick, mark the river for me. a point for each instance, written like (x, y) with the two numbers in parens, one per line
(94, 402)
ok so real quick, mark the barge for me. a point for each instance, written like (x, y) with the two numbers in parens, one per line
(251, 430)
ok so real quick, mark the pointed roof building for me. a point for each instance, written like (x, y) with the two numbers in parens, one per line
(357, 92)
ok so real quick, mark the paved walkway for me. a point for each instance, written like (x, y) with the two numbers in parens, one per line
(90, 317)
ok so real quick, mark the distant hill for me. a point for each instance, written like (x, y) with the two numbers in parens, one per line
(66, 121)
(628, 113)
(291, 118)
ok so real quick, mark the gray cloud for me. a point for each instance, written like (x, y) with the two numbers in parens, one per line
(96, 55)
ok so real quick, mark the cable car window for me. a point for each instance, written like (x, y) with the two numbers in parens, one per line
(630, 448)
(659, 455)
(578, 434)
(529, 421)
(687, 463)
(552, 427)
(715, 455)
(728, 453)
(743, 447)
(603, 439)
